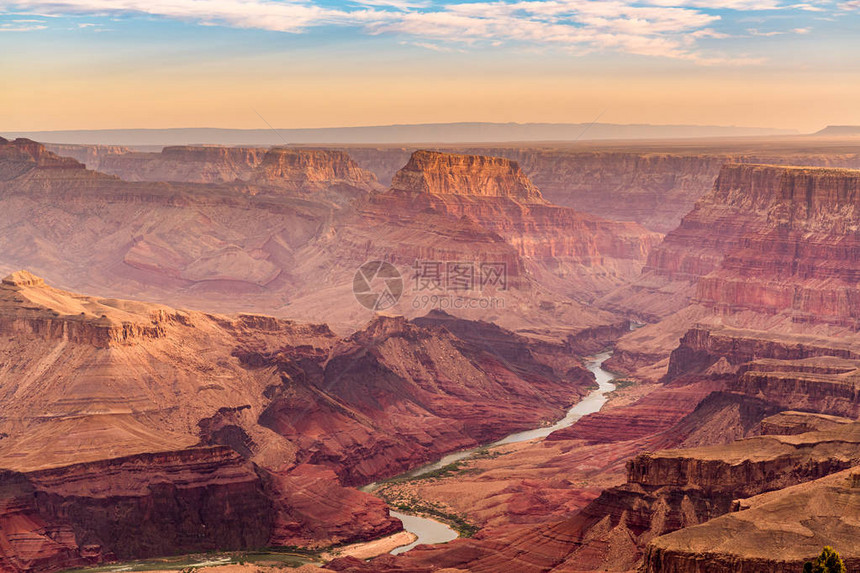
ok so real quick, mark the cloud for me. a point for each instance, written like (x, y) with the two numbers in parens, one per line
(799, 31)
(741, 5)
(259, 14)
(21, 26)
(431, 46)
(808, 7)
(757, 32)
(657, 28)
(399, 4)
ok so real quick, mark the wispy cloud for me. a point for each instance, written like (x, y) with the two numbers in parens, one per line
(658, 28)
(431, 46)
(770, 33)
(399, 4)
(22, 25)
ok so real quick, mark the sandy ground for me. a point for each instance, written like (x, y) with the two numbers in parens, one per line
(369, 549)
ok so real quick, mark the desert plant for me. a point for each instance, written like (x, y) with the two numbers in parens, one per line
(828, 562)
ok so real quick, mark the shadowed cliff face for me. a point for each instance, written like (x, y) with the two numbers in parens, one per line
(107, 403)
(769, 249)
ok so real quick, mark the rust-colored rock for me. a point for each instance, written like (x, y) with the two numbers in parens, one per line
(776, 531)
(470, 175)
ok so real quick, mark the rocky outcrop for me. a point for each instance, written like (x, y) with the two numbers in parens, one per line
(295, 170)
(790, 423)
(751, 466)
(702, 348)
(470, 175)
(21, 156)
(572, 251)
(393, 370)
(30, 308)
(145, 505)
(311, 168)
(209, 164)
(90, 155)
(816, 375)
(782, 248)
(776, 531)
(654, 185)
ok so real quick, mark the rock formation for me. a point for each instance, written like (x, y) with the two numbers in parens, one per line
(769, 249)
(251, 424)
(654, 184)
(293, 169)
(90, 155)
(776, 531)
(254, 246)
(471, 175)
(562, 247)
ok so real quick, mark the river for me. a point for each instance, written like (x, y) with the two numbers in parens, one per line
(429, 531)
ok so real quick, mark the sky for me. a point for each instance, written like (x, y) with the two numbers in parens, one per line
(99, 64)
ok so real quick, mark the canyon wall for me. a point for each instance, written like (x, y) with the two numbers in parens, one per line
(252, 246)
(769, 249)
(578, 254)
(293, 169)
(470, 175)
(654, 186)
(777, 531)
(134, 446)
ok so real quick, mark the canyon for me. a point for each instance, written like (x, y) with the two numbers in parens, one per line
(289, 239)
(654, 183)
(731, 359)
(728, 289)
(255, 424)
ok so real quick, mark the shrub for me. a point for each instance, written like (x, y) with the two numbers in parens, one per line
(828, 562)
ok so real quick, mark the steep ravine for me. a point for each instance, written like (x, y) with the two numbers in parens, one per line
(430, 531)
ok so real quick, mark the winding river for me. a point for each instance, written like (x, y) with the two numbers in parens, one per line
(429, 531)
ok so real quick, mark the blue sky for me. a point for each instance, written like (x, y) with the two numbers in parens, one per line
(303, 63)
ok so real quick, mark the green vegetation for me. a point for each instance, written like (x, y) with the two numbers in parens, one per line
(276, 557)
(828, 562)
(443, 472)
(457, 522)
(454, 468)
(622, 384)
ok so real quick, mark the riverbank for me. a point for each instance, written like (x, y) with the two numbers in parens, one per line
(403, 492)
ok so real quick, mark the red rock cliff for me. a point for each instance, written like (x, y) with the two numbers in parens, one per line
(469, 175)
(800, 258)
